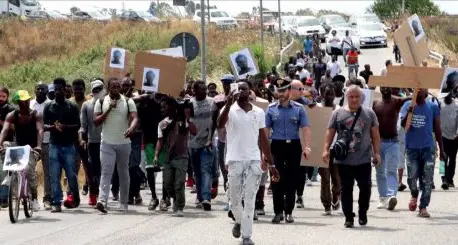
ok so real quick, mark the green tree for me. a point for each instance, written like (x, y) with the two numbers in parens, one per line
(304, 12)
(391, 9)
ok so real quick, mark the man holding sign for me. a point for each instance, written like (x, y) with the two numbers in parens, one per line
(420, 148)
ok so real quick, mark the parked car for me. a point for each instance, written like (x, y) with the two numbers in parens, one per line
(332, 21)
(90, 15)
(308, 26)
(355, 20)
(371, 35)
(138, 15)
(46, 15)
(217, 17)
(287, 24)
(341, 34)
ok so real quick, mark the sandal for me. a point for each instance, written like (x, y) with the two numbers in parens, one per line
(424, 213)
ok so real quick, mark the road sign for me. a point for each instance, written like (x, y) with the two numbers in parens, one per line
(189, 43)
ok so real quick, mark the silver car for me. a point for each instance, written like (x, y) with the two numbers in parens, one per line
(371, 35)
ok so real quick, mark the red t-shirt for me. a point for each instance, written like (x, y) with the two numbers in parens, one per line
(352, 57)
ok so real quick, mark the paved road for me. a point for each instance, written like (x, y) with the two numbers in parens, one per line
(140, 226)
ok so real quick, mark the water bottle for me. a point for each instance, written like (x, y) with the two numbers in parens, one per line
(442, 168)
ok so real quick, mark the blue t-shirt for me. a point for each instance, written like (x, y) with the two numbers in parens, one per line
(420, 134)
(308, 44)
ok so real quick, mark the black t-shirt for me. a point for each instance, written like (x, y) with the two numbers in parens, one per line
(3, 113)
(149, 113)
(26, 134)
(366, 74)
(66, 113)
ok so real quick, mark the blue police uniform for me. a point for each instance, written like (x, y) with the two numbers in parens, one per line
(286, 148)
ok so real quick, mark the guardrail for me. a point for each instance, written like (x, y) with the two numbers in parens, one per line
(435, 56)
(286, 48)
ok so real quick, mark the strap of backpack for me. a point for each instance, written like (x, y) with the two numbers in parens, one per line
(356, 119)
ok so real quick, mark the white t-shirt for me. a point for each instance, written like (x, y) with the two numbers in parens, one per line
(347, 42)
(243, 133)
(383, 72)
(335, 42)
(334, 67)
(303, 73)
(34, 105)
(117, 121)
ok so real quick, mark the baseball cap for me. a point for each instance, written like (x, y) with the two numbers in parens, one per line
(227, 78)
(299, 64)
(309, 81)
(96, 83)
(20, 95)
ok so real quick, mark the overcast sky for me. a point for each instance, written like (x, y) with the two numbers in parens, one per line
(234, 7)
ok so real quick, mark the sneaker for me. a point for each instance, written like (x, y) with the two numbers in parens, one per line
(190, 182)
(122, 208)
(56, 209)
(207, 205)
(214, 190)
(35, 205)
(179, 213)
(138, 200)
(402, 187)
(362, 219)
(163, 206)
(167, 201)
(92, 199)
(299, 202)
(308, 182)
(444, 186)
(115, 197)
(424, 213)
(413, 204)
(153, 204)
(101, 206)
(47, 205)
(392, 201)
(327, 212)
(382, 203)
(247, 241)
(69, 202)
(336, 205)
(85, 190)
(261, 212)
(236, 230)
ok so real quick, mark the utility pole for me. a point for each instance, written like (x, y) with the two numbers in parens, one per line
(403, 7)
(208, 9)
(279, 25)
(262, 26)
(203, 50)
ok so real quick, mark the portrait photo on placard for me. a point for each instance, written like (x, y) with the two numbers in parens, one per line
(150, 81)
(16, 157)
(415, 26)
(244, 63)
(117, 58)
(449, 81)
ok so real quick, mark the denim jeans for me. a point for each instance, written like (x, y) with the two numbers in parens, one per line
(351, 68)
(202, 164)
(386, 173)
(344, 54)
(420, 165)
(62, 157)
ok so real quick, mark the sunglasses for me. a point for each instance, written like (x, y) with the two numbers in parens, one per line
(298, 89)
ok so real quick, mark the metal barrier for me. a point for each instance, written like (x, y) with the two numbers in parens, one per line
(436, 56)
(286, 48)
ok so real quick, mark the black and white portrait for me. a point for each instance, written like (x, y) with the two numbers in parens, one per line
(449, 81)
(415, 26)
(150, 81)
(117, 58)
(16, 158)
(244, 64)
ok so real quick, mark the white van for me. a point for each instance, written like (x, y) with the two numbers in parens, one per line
(217, 17)
(18, 7)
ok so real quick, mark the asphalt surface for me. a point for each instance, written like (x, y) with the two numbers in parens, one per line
(85, 225)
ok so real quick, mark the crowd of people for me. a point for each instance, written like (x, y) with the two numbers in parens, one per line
(120, 138)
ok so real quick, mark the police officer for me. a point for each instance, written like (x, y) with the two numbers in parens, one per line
(287, 119)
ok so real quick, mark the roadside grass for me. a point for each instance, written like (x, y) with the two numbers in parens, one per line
(443, 34)
(41, 51)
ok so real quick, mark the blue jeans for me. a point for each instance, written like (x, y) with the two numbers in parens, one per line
(386, 173)
(420, 165)
(62, 157)
(202, 163)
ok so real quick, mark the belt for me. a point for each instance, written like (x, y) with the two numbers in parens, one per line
(390, 140)
(285, 141)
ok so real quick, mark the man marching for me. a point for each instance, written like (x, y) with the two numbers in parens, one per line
(286, 118)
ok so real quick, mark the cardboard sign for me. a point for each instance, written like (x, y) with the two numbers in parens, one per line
(413, 47)
(159, 73)
(410, 77)
(319, 119)
(116, 63)
(261, 103)
(243, 63)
